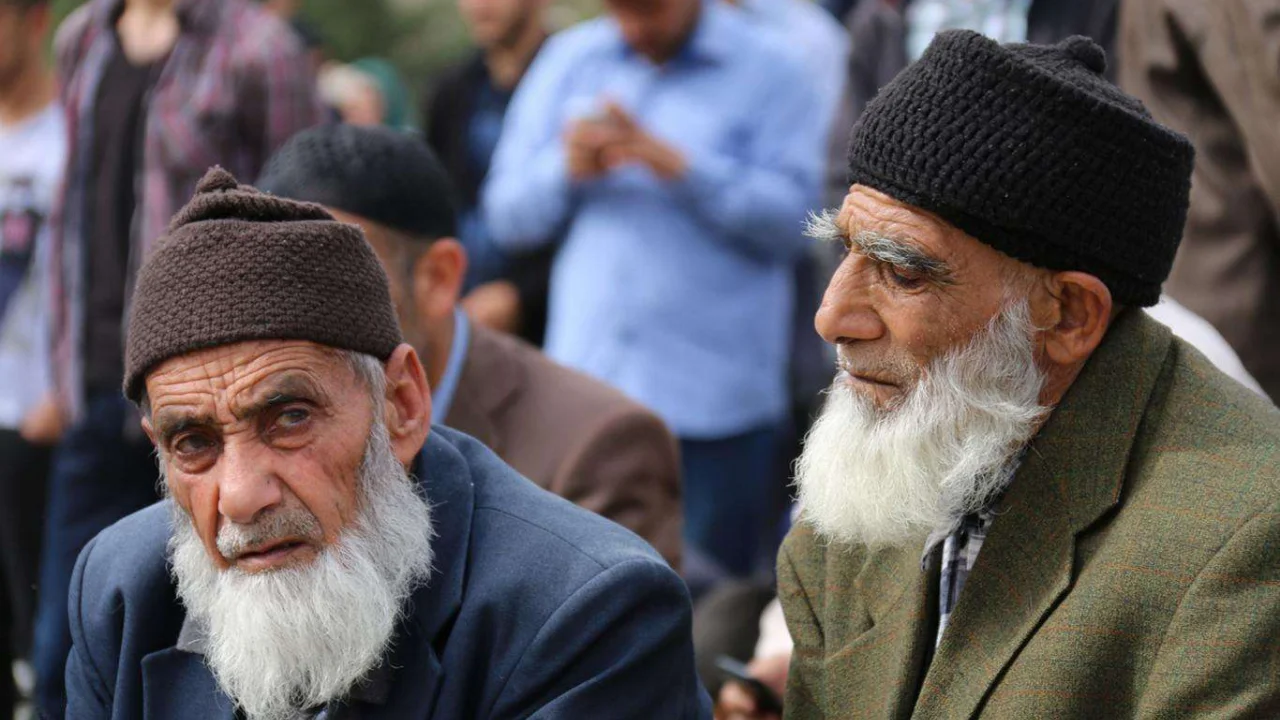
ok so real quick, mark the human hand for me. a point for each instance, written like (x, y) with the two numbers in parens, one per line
(632, 143)
(736, 703)
(43, 423)
(495, 305)
(585, 141)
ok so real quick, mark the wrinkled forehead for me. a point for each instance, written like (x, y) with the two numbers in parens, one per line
(222, 380)
(867, 210)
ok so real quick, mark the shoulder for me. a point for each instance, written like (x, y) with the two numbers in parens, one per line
(517, 526)
(255, 35)
(1200, 424)
(122, 602)
(70, 38)
(577, 43)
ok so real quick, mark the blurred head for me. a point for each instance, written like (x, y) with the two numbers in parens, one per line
(264, 353)
(982, 271)
(394, 188)
(23, 27)
(656, 29)
(501, 24)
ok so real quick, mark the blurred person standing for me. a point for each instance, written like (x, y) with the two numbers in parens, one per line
(32, 155)
(464, 116)
(678, 168)
(1212, 71)
(155, 91)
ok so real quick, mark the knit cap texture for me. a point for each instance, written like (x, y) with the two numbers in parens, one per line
(1028, 148)
(238, 265)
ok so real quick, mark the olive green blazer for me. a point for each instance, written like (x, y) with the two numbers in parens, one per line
(1133, 570)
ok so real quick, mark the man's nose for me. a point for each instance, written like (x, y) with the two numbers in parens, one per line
(247, 487)
(847, 313)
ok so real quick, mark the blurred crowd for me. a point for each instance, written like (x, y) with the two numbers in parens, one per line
(600, 254)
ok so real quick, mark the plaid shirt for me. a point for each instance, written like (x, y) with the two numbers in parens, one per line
(959, 554)
(236, 85)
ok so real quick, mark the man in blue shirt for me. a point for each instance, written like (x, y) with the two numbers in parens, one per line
(675, 146)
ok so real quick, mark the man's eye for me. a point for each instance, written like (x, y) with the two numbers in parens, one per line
(191, 444)
(292, 418)
(905, 278)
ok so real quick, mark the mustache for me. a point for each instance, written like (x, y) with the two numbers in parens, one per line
(289, 523)
(887, 370)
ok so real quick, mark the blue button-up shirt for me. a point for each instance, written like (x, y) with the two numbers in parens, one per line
(679, 293)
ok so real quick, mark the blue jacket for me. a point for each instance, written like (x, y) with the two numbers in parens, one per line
(536, 609)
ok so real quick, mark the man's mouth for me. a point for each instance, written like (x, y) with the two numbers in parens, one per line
(867, 379)
(270, 555)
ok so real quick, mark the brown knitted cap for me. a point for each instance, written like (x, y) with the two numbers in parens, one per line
(237, 264)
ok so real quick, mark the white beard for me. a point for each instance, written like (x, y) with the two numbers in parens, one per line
(281, 641)
(883, 478)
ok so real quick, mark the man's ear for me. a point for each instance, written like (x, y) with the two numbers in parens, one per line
(408, 403)
(1079, 316)
(437, 278)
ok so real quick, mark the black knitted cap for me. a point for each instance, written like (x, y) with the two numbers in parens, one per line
(1030, 150)
(384, 175)
(238, 265)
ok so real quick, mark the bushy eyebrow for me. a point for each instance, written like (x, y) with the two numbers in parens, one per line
(877, 246)
(289, 389)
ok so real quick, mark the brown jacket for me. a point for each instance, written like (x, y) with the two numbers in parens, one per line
(1131, 572)
(573, 435)
(1211, 69)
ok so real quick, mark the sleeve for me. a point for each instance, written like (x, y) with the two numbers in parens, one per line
(279, 96)
(1243, 60)
(619, 647)
(757, 199)
(1219, 655)
(628, 470)
(88, 693)
(528, 195)
(805, 682)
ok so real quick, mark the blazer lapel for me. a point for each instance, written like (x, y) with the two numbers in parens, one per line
(1071, 475)
(488, 380)
(417, 669)
(176, 684)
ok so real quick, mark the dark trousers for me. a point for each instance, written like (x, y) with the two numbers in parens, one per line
(728, 494)
(24, 469)
(102, 470)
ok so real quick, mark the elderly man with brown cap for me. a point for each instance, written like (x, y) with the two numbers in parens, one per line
(297, 568)
(1024, 498)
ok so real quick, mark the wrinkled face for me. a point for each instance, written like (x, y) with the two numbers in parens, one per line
(654, 28)
(911, 288)
(262, 442)
(497, 23)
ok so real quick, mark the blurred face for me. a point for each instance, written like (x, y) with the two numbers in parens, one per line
(21, 33)
(256, 429)
(498, 23)
(654, 28)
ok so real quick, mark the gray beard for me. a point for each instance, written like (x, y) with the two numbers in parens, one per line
(881, 478)
(282, 641)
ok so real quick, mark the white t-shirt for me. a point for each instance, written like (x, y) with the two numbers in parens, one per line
(1204, 337)
(32, 156)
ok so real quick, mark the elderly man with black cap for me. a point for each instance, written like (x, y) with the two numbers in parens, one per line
(297, 568)
(1024, 498)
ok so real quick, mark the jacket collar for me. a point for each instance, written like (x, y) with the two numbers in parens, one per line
(1071, 475)
(177, 683)
(490, 379)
